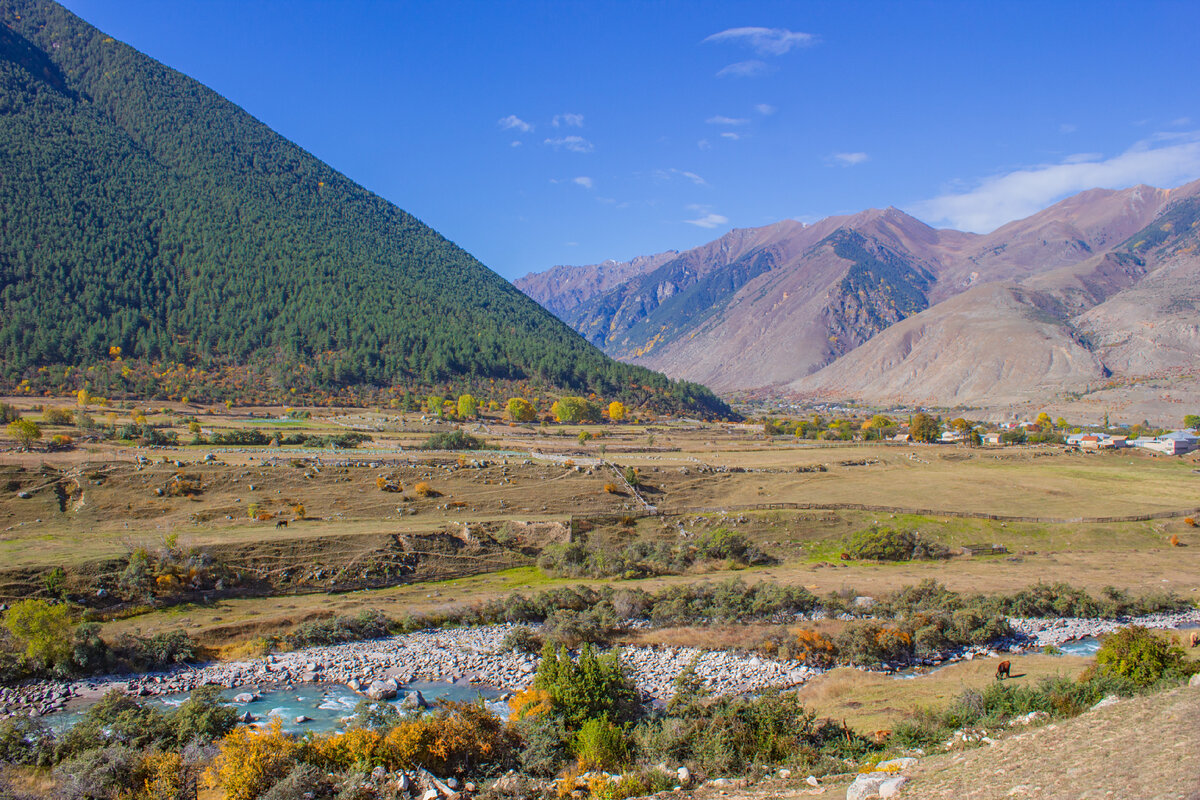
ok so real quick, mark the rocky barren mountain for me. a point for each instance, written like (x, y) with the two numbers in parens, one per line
(880, 307)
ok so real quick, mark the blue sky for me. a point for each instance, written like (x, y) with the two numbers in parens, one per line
(543, 133)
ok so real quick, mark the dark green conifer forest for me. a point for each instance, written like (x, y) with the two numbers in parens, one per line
(141, 210)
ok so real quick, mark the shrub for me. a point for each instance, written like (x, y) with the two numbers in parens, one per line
(611, 488)
(203, 717)
(593, 688)
(58, 416)
(8, 413)
(522, 639)
(815, 649)
(43, 632)
(631, 476)
(370, 624)
(887, 544)
(423, 489)
(453, 440)
(1138, 655)
(249, 763)
(1189, 521)
(601, 745)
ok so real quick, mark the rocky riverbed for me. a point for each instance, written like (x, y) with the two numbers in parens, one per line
(1037, 633)
(474, 655)
(381, 666)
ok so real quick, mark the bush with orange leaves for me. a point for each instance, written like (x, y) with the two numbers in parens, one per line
(1189, 521)
(815, 649)
(456, 738)
(423, 489)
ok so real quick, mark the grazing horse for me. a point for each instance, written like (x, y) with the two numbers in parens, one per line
(1002, 670)
(281, 523)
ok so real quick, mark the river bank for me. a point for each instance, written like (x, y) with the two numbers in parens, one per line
(474, 656)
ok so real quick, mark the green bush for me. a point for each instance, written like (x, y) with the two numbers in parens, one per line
(1138, 655)
(887, 544)
(592, 688)
(453, 440)
(601, 745)
(522, 639)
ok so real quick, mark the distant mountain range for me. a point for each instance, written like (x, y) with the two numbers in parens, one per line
(140, 210)
(881, 308)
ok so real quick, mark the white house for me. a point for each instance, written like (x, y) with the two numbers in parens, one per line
(1175, 443)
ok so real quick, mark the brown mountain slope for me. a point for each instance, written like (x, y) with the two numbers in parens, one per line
(1127, 313)
(561, 288)
(768, 306)
(990, 342)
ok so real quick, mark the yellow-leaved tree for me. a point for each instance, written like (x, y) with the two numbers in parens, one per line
(521, 410)
(616, 411)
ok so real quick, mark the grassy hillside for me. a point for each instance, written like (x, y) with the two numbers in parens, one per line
(142, 211)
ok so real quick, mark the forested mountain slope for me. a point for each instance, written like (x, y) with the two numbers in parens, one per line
(140, 210)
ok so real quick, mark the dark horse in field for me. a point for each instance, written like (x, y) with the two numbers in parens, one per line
(1002, 670)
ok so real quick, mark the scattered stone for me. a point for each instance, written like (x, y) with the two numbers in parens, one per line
(683, 775)
(1107, 701)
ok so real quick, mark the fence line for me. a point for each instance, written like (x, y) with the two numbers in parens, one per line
(925, 512)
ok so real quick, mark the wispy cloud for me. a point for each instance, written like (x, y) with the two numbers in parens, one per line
(576, 144)
(731, 135)
(744, 69)
(727, 121)
(704, 144)
(707, 219)
(766, 109)
(667, 174)
(764, 41)
(1161, 160)
(514, 123)
(568, 120)
(847, 159)
(583, 181)
(1068, 127)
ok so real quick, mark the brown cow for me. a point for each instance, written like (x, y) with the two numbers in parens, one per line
(1194, 640)
(1002, 670)
(281, 523)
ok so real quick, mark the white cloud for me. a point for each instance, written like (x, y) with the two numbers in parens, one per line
(766, 109)
(583, 181)
(707, 219)
(848, 159)
(1068, 127)
(514, 143)
(727, 121)
(764, 41)
(514, 123)
(576, 144)
(1161, 160)
(731, 135)
(704, 144)
(664, 175)
(569, 120)
(744, 69)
